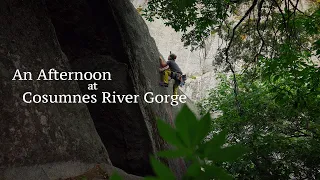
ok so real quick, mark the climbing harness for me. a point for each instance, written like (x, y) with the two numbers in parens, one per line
(179, 77)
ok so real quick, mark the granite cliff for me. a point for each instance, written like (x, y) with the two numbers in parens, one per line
(51, 141)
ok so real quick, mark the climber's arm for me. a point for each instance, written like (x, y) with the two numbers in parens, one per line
(162, 62)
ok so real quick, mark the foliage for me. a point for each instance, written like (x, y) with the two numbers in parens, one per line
(272, 105)
(115, 176)
(205, 156)
(280, 123)
(192, 142)
(249, 28)
(182, 14)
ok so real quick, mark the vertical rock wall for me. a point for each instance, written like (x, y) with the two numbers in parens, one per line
(39, 133)
(112, 36)
(143, 55)
(95, 35)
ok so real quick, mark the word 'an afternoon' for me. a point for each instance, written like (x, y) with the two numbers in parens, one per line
(107, 97)
(53, 74)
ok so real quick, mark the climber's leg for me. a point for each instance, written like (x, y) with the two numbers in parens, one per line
(166, 75)
(177, 78)
(176, 87)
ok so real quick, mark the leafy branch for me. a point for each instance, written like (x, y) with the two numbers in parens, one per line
(190, 142)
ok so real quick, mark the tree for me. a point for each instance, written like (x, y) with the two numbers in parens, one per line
(251, 29)
(283, 132)
(272, 104)
(260, 28)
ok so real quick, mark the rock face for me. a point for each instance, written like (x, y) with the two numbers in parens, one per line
(78, 35)
(121, 126)
(39, 133)
(64, 170)
(112, 36)
(143, 56)
(95, 35)
(196, 64)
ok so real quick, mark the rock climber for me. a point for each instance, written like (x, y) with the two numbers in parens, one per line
(171, 69)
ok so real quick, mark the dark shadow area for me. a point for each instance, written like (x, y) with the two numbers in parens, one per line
(89, 36)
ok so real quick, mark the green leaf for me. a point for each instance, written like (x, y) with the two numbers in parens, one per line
(161, 170)
(173, 153)
(215, 143)
(168, 133)
(193, 170)
(276, 77)
(203, 128)
(115, 176)
(227, 154)
(184, 3)
(185, 123)
(84, 178)
(216, 173)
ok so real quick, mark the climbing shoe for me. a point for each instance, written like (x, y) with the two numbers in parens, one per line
(163, 84)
